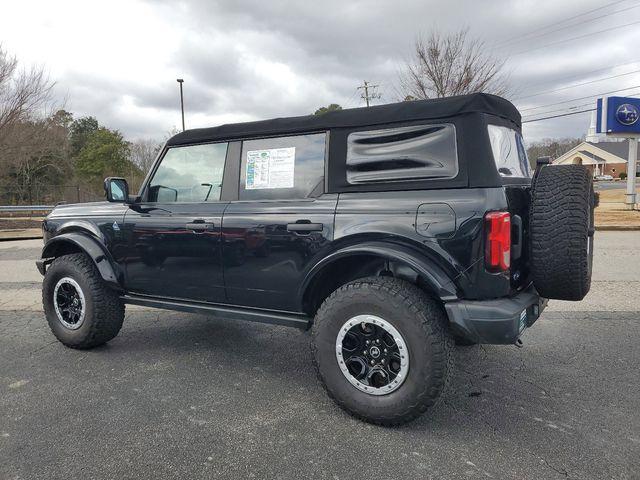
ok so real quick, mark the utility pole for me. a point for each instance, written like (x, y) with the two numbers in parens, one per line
(180, 80)
(367, 97)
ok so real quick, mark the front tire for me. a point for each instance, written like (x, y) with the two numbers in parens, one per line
(394, 317)
(81, 310)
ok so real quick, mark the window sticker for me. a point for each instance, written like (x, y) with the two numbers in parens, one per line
(272, 168)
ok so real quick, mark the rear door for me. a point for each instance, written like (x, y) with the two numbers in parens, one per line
(174, 234)
(281, 221)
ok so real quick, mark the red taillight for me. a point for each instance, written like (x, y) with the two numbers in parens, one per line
(497, 252)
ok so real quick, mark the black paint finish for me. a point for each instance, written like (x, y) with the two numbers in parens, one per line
(286, 256)
(267, 253)
(175, 250)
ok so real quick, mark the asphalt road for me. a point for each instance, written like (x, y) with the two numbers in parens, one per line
(183, 396)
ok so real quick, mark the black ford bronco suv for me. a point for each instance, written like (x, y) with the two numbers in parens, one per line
(391, 232)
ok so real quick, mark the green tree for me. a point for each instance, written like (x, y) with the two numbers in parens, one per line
(329, 108)
(80, 131)
(105, 153)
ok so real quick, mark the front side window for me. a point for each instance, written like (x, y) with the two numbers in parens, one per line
(189, 174)
(508, 152)
(282, 167)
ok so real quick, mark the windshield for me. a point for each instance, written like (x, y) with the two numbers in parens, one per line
(508, 152)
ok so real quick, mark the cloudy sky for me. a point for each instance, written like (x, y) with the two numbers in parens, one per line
(246, 60)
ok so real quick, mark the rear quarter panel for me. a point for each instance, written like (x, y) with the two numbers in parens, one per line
(457, 249)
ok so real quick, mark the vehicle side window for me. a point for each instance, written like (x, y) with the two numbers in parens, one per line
(402, 153)
(189, 174)
(282, 167)
(508, 152)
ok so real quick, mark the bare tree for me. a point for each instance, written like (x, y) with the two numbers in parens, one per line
(35, 157)
(144, 152)
(24, 93)
(443, 65)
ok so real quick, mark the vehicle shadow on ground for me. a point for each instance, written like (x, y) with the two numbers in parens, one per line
(282, 358)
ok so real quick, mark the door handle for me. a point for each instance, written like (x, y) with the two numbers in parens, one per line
(200, 226)
(302, 226)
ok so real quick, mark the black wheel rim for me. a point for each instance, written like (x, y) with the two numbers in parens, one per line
(372, 354)
(69, 303)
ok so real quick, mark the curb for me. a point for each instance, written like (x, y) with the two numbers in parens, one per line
(20, 234)
(618, 228)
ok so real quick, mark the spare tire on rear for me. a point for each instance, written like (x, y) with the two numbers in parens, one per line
(561, 231)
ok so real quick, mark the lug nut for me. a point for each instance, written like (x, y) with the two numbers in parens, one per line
(373, 362)
(377, 341)
(367, 342)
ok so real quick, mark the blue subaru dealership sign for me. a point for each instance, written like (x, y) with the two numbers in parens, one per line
(618, 115)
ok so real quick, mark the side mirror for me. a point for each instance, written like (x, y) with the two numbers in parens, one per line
(117, 189)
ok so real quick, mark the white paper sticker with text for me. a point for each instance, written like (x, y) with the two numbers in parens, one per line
(272, 168)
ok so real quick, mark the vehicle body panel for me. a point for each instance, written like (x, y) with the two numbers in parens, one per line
(257, 255)
(265, 262)
(167, 258)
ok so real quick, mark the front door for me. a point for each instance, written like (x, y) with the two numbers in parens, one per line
(281, 223)
(174, 235)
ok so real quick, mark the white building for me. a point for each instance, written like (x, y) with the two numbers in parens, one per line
(603, 158)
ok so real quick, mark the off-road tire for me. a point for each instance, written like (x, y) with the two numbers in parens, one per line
(104, 312)
(422, 323)
(561, 231)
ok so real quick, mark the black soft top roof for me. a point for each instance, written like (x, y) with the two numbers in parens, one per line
(356, 117)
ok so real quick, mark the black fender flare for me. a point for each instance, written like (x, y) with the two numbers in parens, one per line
(436, 278)
(89, 245)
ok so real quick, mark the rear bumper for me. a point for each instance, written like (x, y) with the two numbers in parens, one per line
(499, 321)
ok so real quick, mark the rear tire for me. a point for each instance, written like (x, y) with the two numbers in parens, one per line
(561, 231)
(418, 320)
(81, 310)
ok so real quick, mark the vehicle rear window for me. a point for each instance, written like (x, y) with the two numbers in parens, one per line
(402, 153)
(509, 152)
(282, 167)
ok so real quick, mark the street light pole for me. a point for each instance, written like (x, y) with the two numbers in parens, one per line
(180, 80)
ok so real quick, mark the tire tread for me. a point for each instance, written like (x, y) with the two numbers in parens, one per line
(433, 322)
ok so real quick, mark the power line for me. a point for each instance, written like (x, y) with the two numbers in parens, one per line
(561, 21)
(521, 39)
(558, 116)
(579, 98)
(569, 109)
(570, 112)
(610, 67)
(564, 109)
(575, 38)
(351, 100)
(576, 85)
(366, 95)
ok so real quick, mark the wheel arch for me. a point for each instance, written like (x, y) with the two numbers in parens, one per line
(80, 242)
(373, 258)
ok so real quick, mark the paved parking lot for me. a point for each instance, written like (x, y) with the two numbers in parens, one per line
(183, 396)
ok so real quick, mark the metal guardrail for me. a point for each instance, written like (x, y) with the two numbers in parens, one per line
(26, 208)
